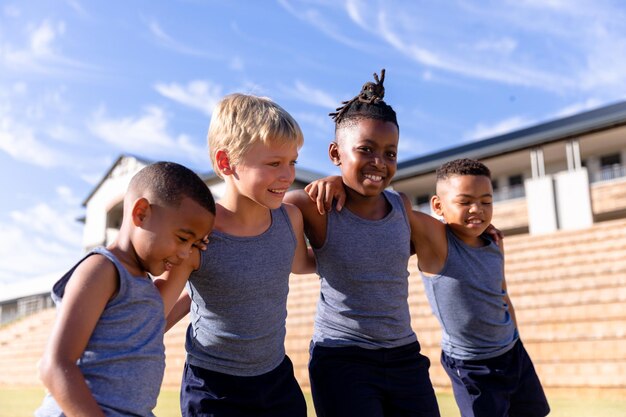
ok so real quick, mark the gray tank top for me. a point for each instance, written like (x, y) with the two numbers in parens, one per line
(364, 280)
(239, 300)
(467, 299)
(124, 360)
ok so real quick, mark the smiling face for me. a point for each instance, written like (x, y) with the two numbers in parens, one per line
(466, 204)
(366, 153)
(265, 172)
(165, 235)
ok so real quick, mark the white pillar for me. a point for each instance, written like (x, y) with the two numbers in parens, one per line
(573, 199)
(542, 217)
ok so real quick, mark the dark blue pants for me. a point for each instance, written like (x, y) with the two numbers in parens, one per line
(504, 386)
(206, 393)
(352, 381)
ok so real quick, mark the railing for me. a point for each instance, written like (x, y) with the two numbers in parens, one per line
(609, 173)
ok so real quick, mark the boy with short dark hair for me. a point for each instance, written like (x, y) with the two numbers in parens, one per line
(105, 355)
(237, 291)
(463, 273)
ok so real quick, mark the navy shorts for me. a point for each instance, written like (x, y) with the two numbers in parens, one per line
(206, 393)
(504, 386)
(352, 381)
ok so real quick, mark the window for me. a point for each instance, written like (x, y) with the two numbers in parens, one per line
(516, 180)
(607, 161)
(422, 199)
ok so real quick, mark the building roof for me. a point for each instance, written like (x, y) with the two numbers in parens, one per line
(556, 130)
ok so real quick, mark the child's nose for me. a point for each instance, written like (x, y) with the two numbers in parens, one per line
(289, 174)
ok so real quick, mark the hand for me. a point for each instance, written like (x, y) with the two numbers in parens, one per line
(495, 233)
(202, 244)
(324, 191)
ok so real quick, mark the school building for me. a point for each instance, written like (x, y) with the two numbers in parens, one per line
(560, 199)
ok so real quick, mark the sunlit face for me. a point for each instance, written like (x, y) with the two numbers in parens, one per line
(366, 153)
(466, 204)
(265, 173)
(167, 234)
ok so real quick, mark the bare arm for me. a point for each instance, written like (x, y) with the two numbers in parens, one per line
(91, 286)
(428, 236)
(179, 310)
(303, 260)
(314, 222)
(507, 298)
(172, 283)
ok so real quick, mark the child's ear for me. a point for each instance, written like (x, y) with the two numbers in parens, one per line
(141, 210)
(435, 204)
(223, 162)
(333, 153)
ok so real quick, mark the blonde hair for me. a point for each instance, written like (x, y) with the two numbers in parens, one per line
(240, 120)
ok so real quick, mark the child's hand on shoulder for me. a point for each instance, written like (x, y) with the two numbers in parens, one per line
(495, 233)
(324, 191)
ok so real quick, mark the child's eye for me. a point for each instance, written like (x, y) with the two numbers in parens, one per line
(182, 239)
(365, 148)
(392, 155)
(274, 164)
(293, 163)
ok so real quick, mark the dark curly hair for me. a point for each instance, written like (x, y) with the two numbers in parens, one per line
(462, 166)
(169, 183)
(368, 104)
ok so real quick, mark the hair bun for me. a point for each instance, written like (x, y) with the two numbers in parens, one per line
(371, 93)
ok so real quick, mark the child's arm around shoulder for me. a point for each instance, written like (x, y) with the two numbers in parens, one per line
(171, 285)
(428, 236)
(507, 298)
(93, 283)
(314, 222)
(303, 259)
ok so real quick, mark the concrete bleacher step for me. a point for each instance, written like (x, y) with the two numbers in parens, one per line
(21, 346)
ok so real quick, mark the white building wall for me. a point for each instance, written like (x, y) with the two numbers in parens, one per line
(110, 192)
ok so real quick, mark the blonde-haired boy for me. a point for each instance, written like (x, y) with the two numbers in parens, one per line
(236, 363)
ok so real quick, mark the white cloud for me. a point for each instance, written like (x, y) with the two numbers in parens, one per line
(21, 143)
(198, 94)
(45, 235)
(43, 36)
(145, 135)
(166, 41)
(311, 95)
(484, 131)
(322, 22)
(40, 54)
(576, 108)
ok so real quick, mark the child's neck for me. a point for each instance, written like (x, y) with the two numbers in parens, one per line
(124, 251)
(238, 215)
(367, 207)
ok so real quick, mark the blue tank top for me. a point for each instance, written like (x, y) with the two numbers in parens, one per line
(467, 299)
(364, 280)
(124, 360)
(239, 300)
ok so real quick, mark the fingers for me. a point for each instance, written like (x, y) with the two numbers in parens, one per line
(202, 244)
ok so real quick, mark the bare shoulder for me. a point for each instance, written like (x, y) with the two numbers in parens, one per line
(96, 270)
(92, 284)
(294, 213)
(299, 198)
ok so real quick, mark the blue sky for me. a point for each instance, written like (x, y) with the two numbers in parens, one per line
(82, 82)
